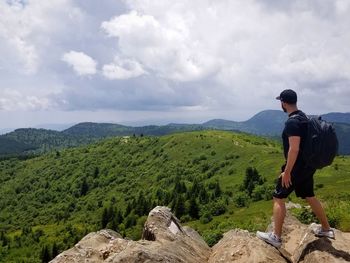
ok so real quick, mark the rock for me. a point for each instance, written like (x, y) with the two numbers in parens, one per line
(301, 245)
(165, 240)
(241, 246)
(92, 248)
(290, 205)
(314, 249)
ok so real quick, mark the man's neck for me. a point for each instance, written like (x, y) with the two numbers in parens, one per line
(292, 109)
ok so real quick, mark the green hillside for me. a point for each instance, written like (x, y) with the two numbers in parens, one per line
(266, 123)
(37, 141)
(40, 140)
(213, 181)
(9, 146)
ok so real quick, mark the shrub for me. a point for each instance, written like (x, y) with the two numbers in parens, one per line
(218, 208)
(212, 237)
(206, 218)
(305, 215)
(263, 192)
(241, 199)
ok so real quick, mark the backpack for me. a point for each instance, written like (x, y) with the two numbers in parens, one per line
(321, 143)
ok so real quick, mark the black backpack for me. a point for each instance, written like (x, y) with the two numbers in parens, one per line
(321, 143)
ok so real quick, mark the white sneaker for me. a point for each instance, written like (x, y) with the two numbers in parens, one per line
(270, 238)
(319, 232)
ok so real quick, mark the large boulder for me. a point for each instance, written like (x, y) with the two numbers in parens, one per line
(241, 246)
(163, 240)
(313, 249)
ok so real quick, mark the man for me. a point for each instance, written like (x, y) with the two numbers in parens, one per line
(295, 174)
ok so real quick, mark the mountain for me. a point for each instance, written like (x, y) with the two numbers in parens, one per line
(266, 123)
(53, 126)
(9, 146)
(337, 117)
(97, 130)
(42, 140)
(48, 203)
(271, 123)
(343, 134)
(102, 130)
(6, 130)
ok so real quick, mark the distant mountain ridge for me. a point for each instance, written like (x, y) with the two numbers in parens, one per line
(265, 123)
(269, 122)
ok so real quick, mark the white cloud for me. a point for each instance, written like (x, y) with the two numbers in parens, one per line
(165, 47)
(225, 58)
(81, 63)
(11, 100)
(239, 47)
(27, 29)
(122, 69)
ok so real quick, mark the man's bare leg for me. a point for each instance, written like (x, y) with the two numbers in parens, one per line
(279, 213)
(319, 212)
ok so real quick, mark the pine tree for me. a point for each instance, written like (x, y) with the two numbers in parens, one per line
(55, 250)
(203, 196)
(45, 254)
(194, 189)
(217, 190)
(3, 239)
(193, 208)
(114, 224)
(140, 204)
(128, 210)
(119, 217)
(105, 218)
(252, 178)
(111, 213)
(84, 187)
(96, 172)
(179, 207)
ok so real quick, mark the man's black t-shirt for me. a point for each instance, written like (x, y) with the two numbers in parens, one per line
(302, 175)
(294, 126)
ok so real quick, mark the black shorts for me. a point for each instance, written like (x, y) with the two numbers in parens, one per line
(302, 183)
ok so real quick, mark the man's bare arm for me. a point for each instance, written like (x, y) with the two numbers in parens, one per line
(294, 144)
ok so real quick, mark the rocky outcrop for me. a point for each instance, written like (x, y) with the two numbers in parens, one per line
(165, 240)
(241, 246)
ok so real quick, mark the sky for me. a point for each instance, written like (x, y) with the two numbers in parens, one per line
(139, 62)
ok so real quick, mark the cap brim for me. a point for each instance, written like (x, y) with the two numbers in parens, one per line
(278, 98)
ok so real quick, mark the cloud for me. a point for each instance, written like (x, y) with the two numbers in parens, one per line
(247, 51)
(81, 63)
(123, 69)
(27, 30)
(224, 59)
(14, 100)
(165, 47)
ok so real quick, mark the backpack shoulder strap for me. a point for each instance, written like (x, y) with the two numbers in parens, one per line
(301, 118)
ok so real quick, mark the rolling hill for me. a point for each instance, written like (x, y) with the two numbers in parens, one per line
(266, 123)
(56, 198)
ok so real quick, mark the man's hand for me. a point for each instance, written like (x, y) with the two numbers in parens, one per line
(286, 179)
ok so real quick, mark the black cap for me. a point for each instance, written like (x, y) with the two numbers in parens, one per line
(288, 96)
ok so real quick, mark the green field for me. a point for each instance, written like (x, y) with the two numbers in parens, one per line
(57, 198)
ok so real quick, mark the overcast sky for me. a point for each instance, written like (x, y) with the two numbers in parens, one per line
(159, 61)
